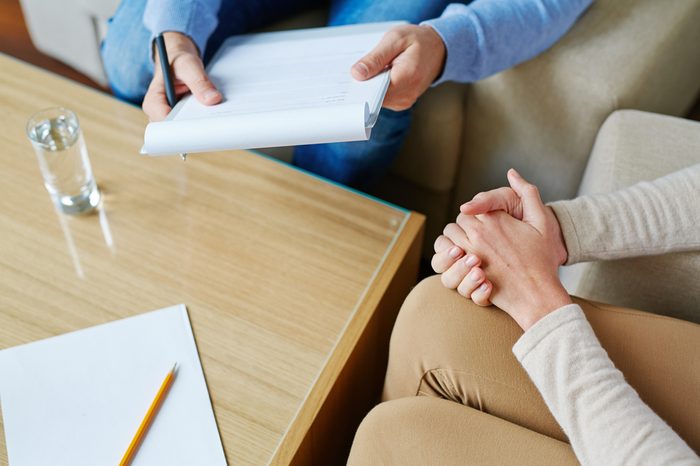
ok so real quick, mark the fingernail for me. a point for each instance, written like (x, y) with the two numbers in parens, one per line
(211, 94)
(482, 289)
(455, 252)
(362, 69)
(470, 260)
(474, 276)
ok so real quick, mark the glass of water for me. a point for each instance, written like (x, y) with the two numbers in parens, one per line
(63, 159)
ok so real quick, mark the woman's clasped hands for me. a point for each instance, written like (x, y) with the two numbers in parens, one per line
(505, 248)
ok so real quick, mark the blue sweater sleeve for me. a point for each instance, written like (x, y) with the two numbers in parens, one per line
(488, 36)
(196, 18)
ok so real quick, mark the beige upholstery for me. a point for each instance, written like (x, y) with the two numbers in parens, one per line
(635, 146)
(541, 117)
(71, 31)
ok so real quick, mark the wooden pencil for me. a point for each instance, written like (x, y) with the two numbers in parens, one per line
(148, 418)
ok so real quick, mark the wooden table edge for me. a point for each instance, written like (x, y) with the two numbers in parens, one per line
(410, 237)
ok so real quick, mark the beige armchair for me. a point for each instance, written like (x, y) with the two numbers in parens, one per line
(540, 117)
(635, 146)
(71, 31)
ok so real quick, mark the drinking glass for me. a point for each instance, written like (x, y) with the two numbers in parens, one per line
(63, 159)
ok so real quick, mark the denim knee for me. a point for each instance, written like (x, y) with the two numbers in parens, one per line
(358, 164)
(126, 52)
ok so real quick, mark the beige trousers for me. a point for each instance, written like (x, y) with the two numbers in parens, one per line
(455, 394)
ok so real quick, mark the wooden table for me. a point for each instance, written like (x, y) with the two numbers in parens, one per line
(283, 273)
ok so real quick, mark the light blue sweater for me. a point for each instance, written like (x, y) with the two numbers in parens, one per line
(481, 38)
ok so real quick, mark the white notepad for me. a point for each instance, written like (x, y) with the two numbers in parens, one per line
(77, 399)
(280, 89)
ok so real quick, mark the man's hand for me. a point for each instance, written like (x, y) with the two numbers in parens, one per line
(416, 55)
(188, 76)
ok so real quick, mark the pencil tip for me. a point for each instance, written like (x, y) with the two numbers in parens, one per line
(174, 369)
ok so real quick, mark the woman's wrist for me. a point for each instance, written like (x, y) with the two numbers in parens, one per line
(558, 236)
(543, 301)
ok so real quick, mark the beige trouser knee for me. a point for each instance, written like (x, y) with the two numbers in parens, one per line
(423, 430)
(444, 346)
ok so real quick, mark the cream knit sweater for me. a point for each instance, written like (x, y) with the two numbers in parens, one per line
(606, 421)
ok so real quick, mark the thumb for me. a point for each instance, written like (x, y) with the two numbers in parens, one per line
(379, 58)
(533, 207)
(191, 72)
(497, 199)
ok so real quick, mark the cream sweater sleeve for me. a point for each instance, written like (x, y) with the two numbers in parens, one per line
(604, 418)
(651, 217)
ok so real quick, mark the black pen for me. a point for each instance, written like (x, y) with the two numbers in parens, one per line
(165, 68)
(167, 75)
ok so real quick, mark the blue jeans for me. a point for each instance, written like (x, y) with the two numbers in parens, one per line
(126, 57)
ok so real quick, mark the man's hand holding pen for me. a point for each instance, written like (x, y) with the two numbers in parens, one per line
(188, 76)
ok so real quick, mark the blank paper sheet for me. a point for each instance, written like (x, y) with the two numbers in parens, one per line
(78, 399)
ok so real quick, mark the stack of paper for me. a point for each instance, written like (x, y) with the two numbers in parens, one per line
(280, 89)
(77, 399)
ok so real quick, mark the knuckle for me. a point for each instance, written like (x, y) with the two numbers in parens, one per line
(394, 34)
(448, 228)
(200, 83)
(435, 264)
(532, 189)
(449, 280)
(446, 282)
(463, 290)
(454, 233)
(398, 33)
(375, 61)
(476, 233)
(179, 60)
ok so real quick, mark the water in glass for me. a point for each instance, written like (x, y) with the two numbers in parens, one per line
(63, 159)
